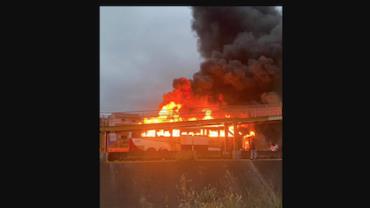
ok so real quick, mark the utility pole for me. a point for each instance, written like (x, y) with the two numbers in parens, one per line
(103, 144)
(192, 147)
(226, 138)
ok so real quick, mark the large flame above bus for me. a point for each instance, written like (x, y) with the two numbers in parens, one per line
(171, 113)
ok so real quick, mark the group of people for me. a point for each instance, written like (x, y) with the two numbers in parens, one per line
(253, 150)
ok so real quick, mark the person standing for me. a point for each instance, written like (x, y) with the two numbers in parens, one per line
(252, 148)
(274, 147)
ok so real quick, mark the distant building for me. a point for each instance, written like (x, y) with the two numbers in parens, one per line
(120, 118)
(117, 141)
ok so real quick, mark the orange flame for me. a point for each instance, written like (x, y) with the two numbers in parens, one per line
(207, 114)
(202, 132)
(250, 134)
(168, 113)
(171, 113)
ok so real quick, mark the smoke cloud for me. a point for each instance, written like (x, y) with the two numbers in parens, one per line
(242, 48)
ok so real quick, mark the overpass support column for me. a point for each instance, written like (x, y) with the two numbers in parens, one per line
(103, 144)
(226, 139)
(235, 152)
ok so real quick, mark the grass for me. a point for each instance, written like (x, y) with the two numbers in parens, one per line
(226, 196)
(229, 193)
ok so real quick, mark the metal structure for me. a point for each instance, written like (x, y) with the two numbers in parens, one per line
(131, 127)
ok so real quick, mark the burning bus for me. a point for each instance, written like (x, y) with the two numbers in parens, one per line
(209, 140)
(206, 139)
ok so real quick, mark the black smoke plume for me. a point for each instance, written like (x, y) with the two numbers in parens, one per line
(242, 48)
(242, 51)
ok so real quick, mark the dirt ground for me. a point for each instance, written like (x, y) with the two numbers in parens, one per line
(156, 183)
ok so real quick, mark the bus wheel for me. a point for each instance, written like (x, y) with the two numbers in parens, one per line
(151, 153)
(151, 149)
(122, 155)
(112, 157)
(164, 153)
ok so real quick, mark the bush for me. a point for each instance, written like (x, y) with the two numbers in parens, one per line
(210, 197)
